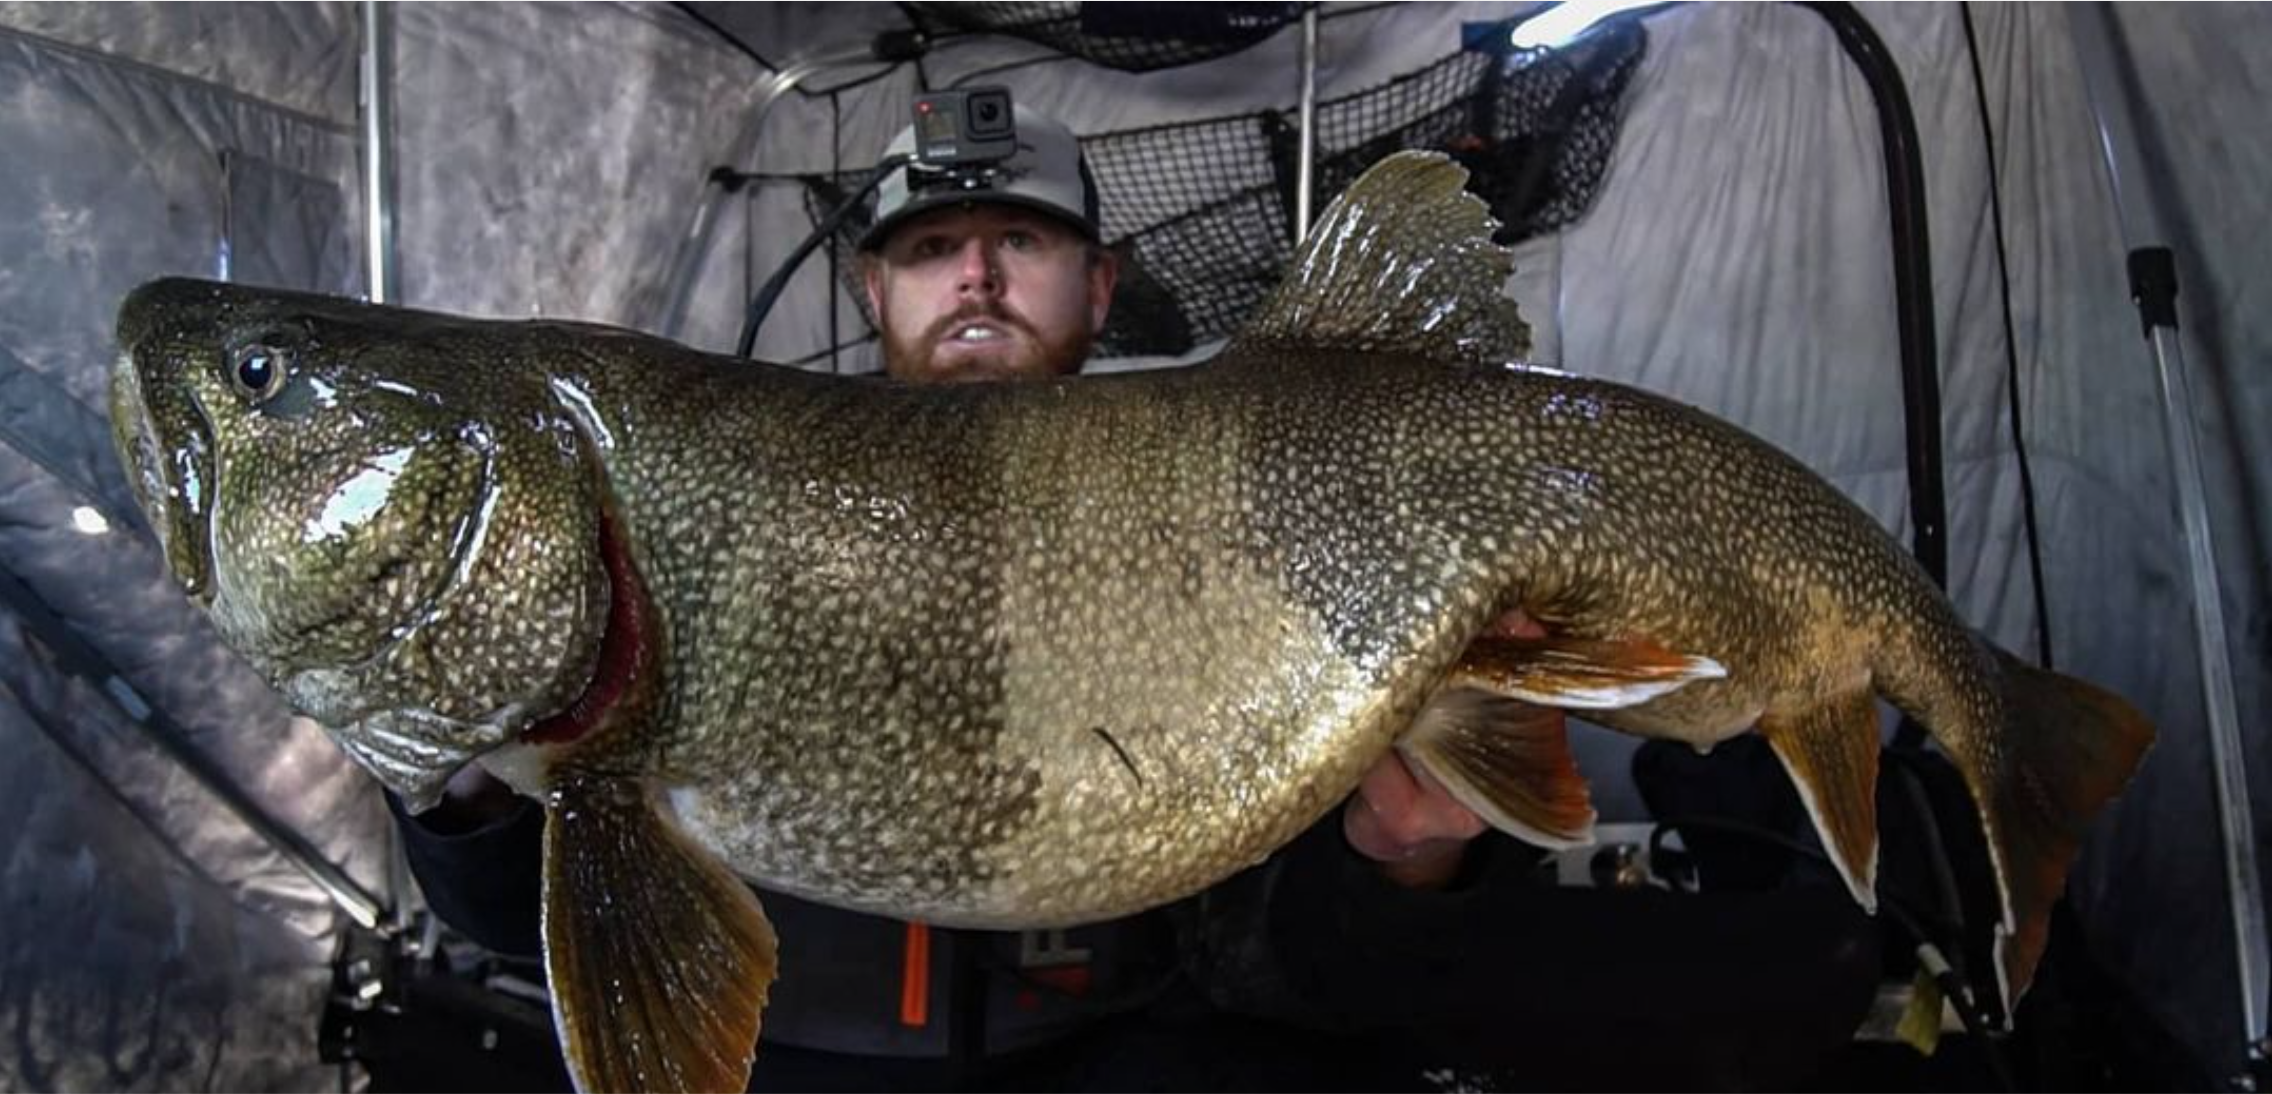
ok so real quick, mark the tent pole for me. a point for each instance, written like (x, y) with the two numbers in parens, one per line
(1305, 169)
(1910, 236)
(694, 246)
(2110, 84)
(376, 96)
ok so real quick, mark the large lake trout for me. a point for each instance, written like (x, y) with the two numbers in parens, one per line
(1036, 654)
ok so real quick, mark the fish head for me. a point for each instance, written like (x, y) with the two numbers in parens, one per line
(388, 514)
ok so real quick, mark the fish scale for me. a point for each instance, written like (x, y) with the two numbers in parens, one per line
(1037, 654)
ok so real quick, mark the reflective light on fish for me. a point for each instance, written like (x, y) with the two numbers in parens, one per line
(359, 498)
(1584, 408)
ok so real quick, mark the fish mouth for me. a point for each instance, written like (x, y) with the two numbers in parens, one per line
(174, 490)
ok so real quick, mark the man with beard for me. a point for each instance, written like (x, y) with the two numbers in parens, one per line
(1002, 283)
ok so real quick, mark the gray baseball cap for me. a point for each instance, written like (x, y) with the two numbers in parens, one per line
(1046, 173)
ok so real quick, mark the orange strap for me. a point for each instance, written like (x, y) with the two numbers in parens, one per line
(915, 978)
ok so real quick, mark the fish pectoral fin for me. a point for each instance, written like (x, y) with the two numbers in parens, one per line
(1831, 752)
(1580, 673)
(1509, 761)
(659, 957)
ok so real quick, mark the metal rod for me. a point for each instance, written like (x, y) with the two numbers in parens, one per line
(376, 98)
(2109, 82)
(1305, 170)
(694, 246)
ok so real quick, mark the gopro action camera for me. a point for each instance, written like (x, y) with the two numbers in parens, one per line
(968, 128)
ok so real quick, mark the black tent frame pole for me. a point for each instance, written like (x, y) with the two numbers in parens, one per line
(1912, 296)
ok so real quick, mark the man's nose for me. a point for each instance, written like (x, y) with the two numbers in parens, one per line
(977, 273)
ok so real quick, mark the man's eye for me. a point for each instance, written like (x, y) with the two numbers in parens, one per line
(1021, 241)
(930, 247)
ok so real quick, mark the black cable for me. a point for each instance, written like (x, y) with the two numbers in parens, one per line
(762, 304)
(1897, 906)
(1950, 904)
(2011, 344)
(889, 70)
(831, 351)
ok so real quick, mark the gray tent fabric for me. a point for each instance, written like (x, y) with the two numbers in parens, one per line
(551, 158)
(154, 941)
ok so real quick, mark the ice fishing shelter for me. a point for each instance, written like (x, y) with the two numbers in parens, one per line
(192, 874)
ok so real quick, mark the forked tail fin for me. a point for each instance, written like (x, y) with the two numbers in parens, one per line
(2069, 748)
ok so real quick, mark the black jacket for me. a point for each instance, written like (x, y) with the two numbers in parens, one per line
(1331, 976)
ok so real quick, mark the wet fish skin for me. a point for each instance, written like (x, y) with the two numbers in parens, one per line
(1037, 654)
(401, 540)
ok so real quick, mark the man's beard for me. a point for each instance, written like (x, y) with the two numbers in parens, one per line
(1056, 358)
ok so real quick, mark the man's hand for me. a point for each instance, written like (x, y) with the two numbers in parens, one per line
(1406, 821)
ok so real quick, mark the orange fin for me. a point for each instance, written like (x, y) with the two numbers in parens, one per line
(1831, 752)
(659, 957)
(2069, 748)
(1582, 673)
(1507, 760)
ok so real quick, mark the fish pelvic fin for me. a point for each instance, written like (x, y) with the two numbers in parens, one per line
(1403, 261)
(1582, 673)
(2069, 748)
(1507, 760)
(1830, 750)
(659, 957)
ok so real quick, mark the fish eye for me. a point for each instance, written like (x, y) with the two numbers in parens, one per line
(259, 370)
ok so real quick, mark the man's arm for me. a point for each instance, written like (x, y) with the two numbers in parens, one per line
(479, 857)
(1406, 821)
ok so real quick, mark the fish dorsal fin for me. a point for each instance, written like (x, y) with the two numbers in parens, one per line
(1403, 260)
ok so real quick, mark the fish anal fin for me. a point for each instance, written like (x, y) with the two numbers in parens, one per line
(659, 957)
(1507, 760)
(1403, 260)
(1581, 673)
(2069, 748)
(1831, 750)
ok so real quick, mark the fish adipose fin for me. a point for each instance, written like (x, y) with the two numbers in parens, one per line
(1507, 760)
(659, 957)
(1582, 673)
(2069, 748)
(1831, 752)
(1403, 261)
